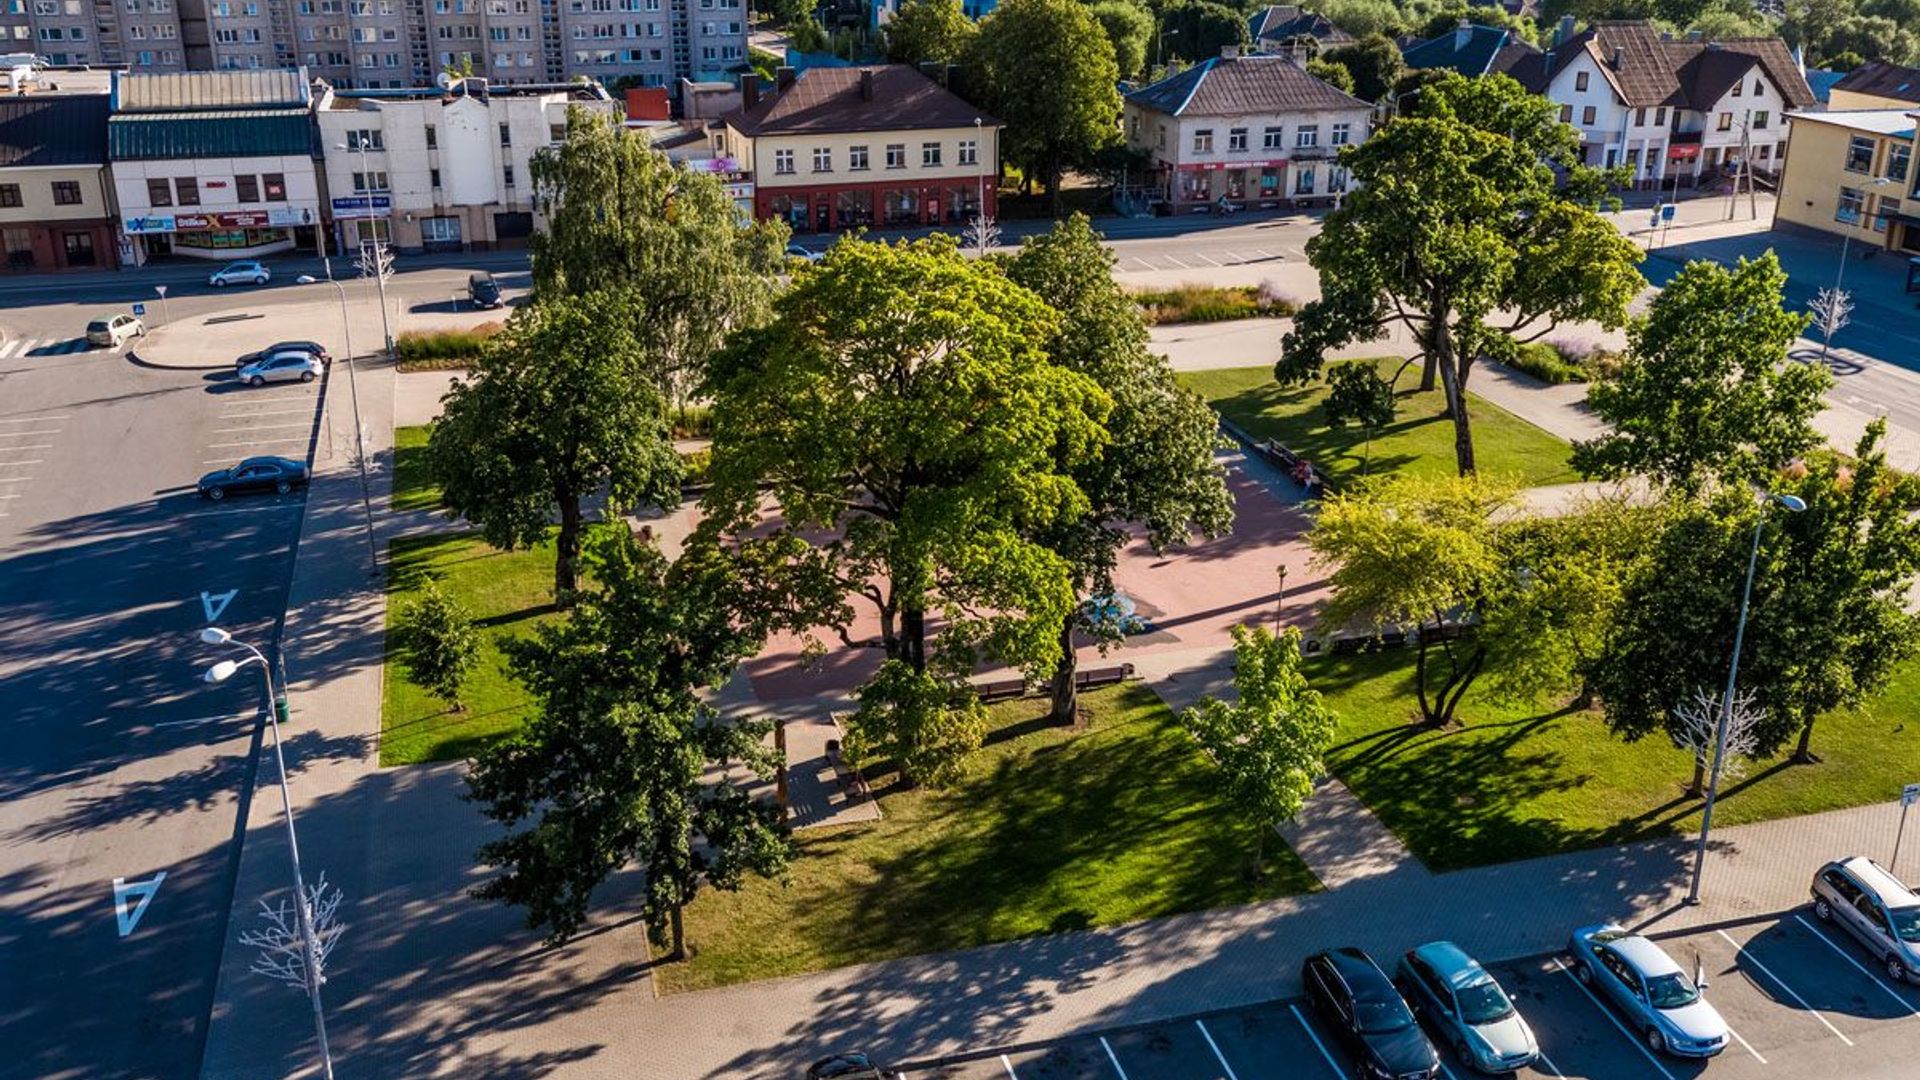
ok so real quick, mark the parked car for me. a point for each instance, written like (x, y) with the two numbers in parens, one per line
(240, 273)
(112, 331)
(483, 290)
(313, 347)
(1468, 1007)
(848, 1067)
(1368, 1016)
(290, 366)
(804, 254)
(1637, 977)
(1875, 907)
(255, 475)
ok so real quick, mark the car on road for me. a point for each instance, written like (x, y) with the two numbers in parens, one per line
(1658, 1000)
(1368, 1016)
(848, 1067)
(1876, 908)
(313, 347)
(112, 331)
(255, 475)
(290, 366)
(239, 273)
(483, 290)
(804, 253)
(1468, 1007)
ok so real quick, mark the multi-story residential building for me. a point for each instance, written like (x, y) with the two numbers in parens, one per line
(1850, 172)
(1876, 84)
(214, 165)
(56, 211)
(1246, 129)
(661, 41)
(100, 33)
(442, 170)
(835, 148)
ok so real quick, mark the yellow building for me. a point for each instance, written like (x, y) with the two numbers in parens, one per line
(1876, 84)
(1850, 173)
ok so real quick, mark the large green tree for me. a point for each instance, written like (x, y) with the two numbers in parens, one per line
(1460, 232)
(1706, 390)
(557, 409)
(1129, 26)
(616, 766)
(1157, 474)
(901, 413)
(1046, 68)
(935, 31)
(1197, 30)
(1373, 61)
(1270, 744)
(666, 243)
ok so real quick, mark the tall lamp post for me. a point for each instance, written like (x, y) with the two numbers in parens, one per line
(359, 436)
(1793, 504)
(1846, 238)
(377, 258)
(311, 953)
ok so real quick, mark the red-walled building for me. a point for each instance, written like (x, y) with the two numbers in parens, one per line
(839, 148)
(55, 212)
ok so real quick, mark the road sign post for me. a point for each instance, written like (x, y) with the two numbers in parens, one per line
(165, 311)
(1908, 796)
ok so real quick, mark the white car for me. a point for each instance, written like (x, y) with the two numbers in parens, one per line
(240, 273)
(1669, 1010)
(282, 367)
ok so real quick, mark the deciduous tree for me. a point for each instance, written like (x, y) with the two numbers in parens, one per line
(935, 31)
(1374, 62)
(1047, 69)
(438, 644)
(1196, 30)
(1129, 26)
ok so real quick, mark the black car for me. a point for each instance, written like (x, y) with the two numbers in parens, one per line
(1368, 1015)
(483, 290)
(313, 347)
(847, 1067)
(255, 474)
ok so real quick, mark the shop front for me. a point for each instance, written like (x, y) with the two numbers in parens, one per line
(849, 206)
(1257, 183)
(58, 245)
(219, 235)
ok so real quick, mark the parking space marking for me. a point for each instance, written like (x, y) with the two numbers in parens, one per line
(1176, 262)
(1215, 1047)
(258, 442)
(34, 419)
(24, 434)
(30, 446)
(251, 413)
(1746, 956)
(304, 425)
(1008, 1065)
(30, 461)
(1317, 1044)
(1551, 1067)
(1205, 259)
(1745, 1043)
(1112, 1057)
(250, 509)
(1817, 932)
(1612, 1019)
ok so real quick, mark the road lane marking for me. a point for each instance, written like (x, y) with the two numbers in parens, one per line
(215, 603)
(256, 442)
(1817, 932)
(1745, 1043)
(144, 889)
(1215, 1047)
(24, 434)
(1551, 1067)
(260, 427)
(1612, 1019)
(1747, 957)
(1317, 1044)
(1008, 1065)
(34, 419)
(1112, 1057)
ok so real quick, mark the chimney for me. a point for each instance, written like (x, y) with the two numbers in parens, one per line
(783, 77)
(866, 84)
(1619, 56)
(1564, 31)
(1229, 52)
(749, 90)
(1462, 34)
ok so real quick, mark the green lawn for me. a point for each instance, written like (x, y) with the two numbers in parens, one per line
(1515, 782)
(1421, 441)
(1050, 830)
(507, 593)
(413, 487)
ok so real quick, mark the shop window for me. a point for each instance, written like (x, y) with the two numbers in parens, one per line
(1303, 182)
(902, 207)
(79, 248)
(853, 208)
(19, 245)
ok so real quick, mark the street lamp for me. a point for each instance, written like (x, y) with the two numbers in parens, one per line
(1161, 47)
(1846, 238)
(220, 673)
(379, 246)
(359, 436)
(1794, 505)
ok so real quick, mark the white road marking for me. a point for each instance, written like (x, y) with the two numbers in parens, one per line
(249, 509)
(247, 414)
(1215, 1047)
(1748, 958)
(144, 889)
(1264, 253)
(1817, 932)
(1176, 262)
(30, 446)
(1112, 1057)
(1008, 1065)
(24, 434)
(1317, 1044)
(34, 419)
(1205, 259)
(1612, 1019)
(261, 427)
(1748, 1045)
(29, 461)
(257, 442)
(215, 603)
(14, 479)
(200, 720)
(1551, 1067)
(7, 350)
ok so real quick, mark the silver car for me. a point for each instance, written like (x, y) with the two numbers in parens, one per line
(110, 331)
(1875, 907)
(282, 367)
(1470, 1010)
(1651, 991)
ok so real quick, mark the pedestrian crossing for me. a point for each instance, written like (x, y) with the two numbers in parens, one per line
(17, 347)
(1201, 260)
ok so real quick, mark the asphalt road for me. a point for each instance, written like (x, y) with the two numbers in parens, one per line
(121, 773)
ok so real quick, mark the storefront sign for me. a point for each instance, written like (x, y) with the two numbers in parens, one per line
(712, 165)
(301, 216)
(1208, 166)
(363, 206)
(738, 191)
(213, 183)
(1683, 153)
(149, 225)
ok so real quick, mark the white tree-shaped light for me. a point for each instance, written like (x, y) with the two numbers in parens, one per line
(1832, 310)
(1698, 721)
(982, 234)
(283, 952)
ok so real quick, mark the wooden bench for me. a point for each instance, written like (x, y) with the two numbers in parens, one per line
(1286, 460)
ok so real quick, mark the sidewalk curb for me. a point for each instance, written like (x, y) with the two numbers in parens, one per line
(137, 360)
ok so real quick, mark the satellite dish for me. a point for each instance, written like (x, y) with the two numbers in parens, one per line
(443, 80)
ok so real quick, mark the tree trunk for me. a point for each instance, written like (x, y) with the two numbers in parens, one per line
(1053, 188)
(1698, 789)
(1066, 693)
(1803, 754)
(1420, 680)
(1260, 850)
(1429, 371)
(679, 935)
(566, 563)
(913, 638)
(1453, 380)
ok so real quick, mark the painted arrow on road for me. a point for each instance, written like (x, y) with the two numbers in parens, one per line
(215, 603)
(144, 890)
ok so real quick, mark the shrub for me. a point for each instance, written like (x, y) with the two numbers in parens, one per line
(698, 464)
(692, 422)
(438, 643)
(1212, 303)
(430, 350)
(1547, 363)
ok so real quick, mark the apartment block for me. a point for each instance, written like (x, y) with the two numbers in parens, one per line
(100, 33)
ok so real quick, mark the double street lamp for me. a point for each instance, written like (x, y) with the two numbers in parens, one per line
(359, 429)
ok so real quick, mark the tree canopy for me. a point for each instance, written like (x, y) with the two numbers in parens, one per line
(1373, 62)
(1197, 30)
(936, 31)
(1047, 69)
(1129, 26)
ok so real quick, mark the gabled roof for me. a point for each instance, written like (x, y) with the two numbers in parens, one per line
(1881, 79)
(1471, 50)
(1281, 23)
(1822, 82)
(1243, 85)
(53, 129)
(210, 90)
(827, 100)
(1646, 69)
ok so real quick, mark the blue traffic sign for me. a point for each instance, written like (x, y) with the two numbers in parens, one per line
(139, 309)
(1666, 211)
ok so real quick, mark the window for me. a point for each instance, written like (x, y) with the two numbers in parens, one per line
(9, 194)
(1757, 88)
(1898, 157)
(1342, 133)
(1203, 141)
(1759, 121)
(365, 139)
(1236, 139)
(1273, 138)
(273, 185)
(1725, 123)
(433, 139)
(783, 162)
(1851, 202)
(969, 152)
(186, 191)
(246, 189)
(369, 181)
(506, 135)
(1736, 90)
(857, 158)
(1586, 116)
(1859, 154)
(1580, 82)
(506, 175)
(1660, 116)
(822, 159)
(1639, 118)
(930, 155)
(1884, 212)
(1306, 135)
(896, 155)
(433, 177)
(159, 193)
(1303, 182)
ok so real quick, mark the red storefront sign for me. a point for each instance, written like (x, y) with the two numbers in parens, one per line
(1683, 153)
(232, 219)
(1206, 166)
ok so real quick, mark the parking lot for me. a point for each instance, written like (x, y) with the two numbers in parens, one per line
(1802, 998)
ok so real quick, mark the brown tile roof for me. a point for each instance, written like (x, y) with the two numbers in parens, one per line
(1279, 24)
(1652, 71)
(827, 100)
(1247, 84)
(1881, 79)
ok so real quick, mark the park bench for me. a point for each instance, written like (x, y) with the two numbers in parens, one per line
(1085, 679)
(1286, 460)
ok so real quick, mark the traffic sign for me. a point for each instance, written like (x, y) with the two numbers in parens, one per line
(1910, 794)
(139, 309)
(1666, 211)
